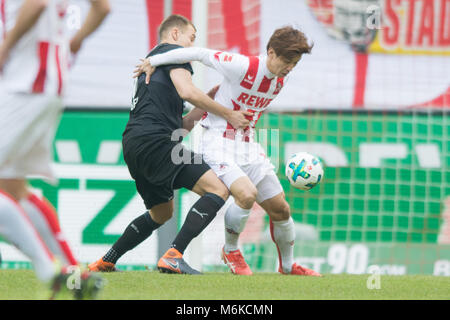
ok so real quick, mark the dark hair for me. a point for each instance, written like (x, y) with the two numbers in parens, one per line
(175, 20)
(289, 43)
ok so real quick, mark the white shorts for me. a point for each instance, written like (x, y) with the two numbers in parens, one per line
(28, 124)
(231, 159)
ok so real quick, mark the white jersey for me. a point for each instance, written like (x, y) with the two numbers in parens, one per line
(248, 85)
(38, 62)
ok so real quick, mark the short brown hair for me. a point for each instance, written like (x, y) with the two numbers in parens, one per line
(175, 20)
(289, 43)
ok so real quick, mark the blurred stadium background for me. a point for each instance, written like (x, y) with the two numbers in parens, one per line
(372, 101)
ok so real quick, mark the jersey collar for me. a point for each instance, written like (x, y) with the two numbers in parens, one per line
(265, 70)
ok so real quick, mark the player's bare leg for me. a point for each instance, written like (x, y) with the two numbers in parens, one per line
(162, 213)
(282, 230)
(17, 188)
(236, 216)
(210, 183)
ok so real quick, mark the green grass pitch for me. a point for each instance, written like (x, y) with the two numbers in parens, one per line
(152, 285)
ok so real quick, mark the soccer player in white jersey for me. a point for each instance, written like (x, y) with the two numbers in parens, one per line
(250, 83)
(33, 68)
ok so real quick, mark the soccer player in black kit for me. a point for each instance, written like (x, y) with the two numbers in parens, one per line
(152, 155)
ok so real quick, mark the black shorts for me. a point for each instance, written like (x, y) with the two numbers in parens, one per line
(159, 166)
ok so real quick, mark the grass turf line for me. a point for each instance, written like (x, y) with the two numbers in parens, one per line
(22, 284)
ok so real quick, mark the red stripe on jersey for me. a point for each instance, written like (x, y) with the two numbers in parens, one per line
(3, 16)
(230, 131)
(39, 82)
(257, 119)
(62, 9)
(250, 76)
(183, 7)
(279, 86)
(58, 67)
(205, 114)
(155, 15)
(265, 85)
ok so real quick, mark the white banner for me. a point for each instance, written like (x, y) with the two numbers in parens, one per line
(334, 76)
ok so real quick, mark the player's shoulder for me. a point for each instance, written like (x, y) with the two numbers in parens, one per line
(250, 61)
(231, 57)
(163, 47)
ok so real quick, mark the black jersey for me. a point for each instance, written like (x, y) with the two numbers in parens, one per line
(157, 108)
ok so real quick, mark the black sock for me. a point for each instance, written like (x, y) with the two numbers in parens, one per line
(136, 232)
(197, 219)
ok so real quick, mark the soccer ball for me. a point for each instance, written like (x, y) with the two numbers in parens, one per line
(304, 171)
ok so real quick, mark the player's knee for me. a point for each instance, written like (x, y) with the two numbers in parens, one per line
(211, 184)
(16, 188)
(246, 198)
(223, 192)
(282, 212)
(167, 217)
(160, 216)
(218, 188)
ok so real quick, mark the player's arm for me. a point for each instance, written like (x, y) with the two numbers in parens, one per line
(27, 17)
(196, 114)
(231, 66)
(191, 118)
(97, 13)
(182, 81)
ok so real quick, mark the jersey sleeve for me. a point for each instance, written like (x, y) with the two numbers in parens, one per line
(232, 66)
(172, 65)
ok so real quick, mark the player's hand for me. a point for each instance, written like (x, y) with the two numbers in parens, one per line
(4, 53)
(75, 45)
(238, 119)
(144, 67)
(212, 93)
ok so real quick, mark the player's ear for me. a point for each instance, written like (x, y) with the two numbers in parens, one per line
(271, 53)
(175, 34)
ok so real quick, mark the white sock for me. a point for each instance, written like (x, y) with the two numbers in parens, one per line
(18, 230)
(45, 231)
(283, 234)
(235, 219)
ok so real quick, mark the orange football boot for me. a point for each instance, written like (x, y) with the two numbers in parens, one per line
(102, 266)
(300, 271)
(172, 262)
(236, 262)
